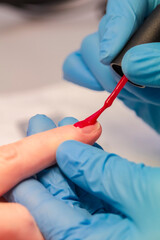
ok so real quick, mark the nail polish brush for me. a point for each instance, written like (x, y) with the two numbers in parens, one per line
(148, 32)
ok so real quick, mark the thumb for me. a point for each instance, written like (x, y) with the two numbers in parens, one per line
(30, 155)
(141, 64)
(109, 177)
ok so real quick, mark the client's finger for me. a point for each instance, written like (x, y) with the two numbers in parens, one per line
(22, 228)
(65, 190)
(32, 154)
(52, 178)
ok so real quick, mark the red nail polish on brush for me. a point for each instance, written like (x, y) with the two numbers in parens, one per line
(149, 32)
(93, 118)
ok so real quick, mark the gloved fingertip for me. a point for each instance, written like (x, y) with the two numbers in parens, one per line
(130, 65)
(37, 116)
(69, 61)
(139, 64)
(39, 123)
(67, 121)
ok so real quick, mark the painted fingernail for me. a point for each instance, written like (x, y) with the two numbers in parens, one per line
(91, 128)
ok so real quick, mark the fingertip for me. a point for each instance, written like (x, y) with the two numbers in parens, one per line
(140, 64)
(87, 135)
(39, 123)
(132, 64)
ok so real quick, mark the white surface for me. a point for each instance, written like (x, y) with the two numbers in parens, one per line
(31, 55)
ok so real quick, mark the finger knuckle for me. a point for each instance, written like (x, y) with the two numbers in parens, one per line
(8, 152)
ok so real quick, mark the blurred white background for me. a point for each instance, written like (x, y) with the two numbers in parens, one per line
(32, 51)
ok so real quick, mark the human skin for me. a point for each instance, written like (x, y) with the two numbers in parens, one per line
(25, 158)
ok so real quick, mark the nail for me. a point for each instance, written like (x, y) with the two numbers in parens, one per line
(91, 128)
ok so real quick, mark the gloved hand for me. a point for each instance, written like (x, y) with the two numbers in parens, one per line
(140, 64)
(116, 199)
(132, 189)
(52, 199)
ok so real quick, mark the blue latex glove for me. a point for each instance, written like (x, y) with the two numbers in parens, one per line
(52, 199)
(140, 64)
(132, 189)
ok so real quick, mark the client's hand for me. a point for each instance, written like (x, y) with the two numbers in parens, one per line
(25, 158)
(103, 196)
